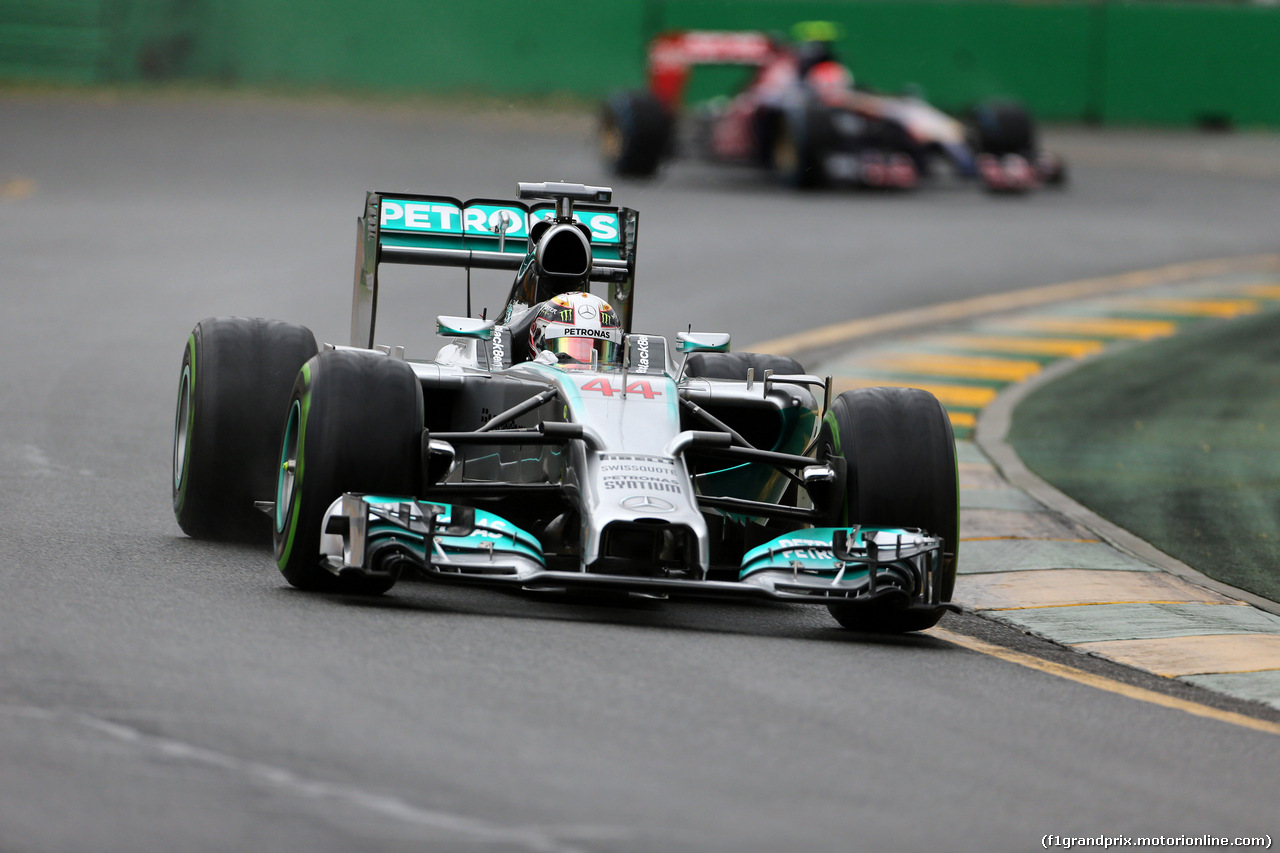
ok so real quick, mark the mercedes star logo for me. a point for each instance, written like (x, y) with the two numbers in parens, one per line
(586, 312)
(644, 503)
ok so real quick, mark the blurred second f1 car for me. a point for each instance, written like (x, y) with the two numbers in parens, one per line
(801, 117)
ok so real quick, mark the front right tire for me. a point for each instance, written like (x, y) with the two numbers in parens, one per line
(1002, 127)
(232, 398)
(354, 424)
(734, 365)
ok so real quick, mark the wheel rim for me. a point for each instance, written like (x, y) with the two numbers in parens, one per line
(785, 156)
(610, 142)
(182, 429)
(288, 474)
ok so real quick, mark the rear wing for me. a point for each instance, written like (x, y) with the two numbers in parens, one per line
(435, 230)
(672, 55)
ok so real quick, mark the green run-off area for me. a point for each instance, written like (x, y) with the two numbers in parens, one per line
(1177, 441)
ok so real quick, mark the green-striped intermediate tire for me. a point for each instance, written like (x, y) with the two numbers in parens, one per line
(232, 398)
(354, 424)
(900, 454)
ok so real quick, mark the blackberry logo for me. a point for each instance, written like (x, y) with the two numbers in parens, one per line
(499, 349)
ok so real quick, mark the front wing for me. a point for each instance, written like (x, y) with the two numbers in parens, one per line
(369, 535)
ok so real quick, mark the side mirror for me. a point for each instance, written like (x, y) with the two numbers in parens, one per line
(464, 327)
(687, 342)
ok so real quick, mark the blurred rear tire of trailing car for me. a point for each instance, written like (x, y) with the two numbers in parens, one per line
(354, 424)
(635, 134)
(232, 399)
(900, 458)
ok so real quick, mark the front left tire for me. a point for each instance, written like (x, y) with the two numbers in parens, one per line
(900, 458)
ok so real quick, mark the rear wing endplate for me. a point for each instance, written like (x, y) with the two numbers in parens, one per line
(432, 230)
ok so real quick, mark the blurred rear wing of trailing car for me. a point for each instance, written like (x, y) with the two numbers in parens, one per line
(673, 55)
(433, 230)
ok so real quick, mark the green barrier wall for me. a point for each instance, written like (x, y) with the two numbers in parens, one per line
(1180, 62)
(100, 41)
(1071, 60)
(52, 39)
(498, 47)
(501, 47)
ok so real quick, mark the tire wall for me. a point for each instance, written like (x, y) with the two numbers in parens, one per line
(1165, 63)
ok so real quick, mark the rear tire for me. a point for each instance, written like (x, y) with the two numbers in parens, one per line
(232, 398)
(900, 454)
(354, 424)
(635, 134)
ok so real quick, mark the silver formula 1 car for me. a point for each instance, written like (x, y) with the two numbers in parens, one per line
(683, 470)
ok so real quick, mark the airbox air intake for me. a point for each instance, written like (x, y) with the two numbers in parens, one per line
(564, 250)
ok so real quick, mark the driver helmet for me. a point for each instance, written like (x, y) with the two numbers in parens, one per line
(830, 79)
(572, 326)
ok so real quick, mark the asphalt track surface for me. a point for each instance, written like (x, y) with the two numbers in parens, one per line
(158, 693)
